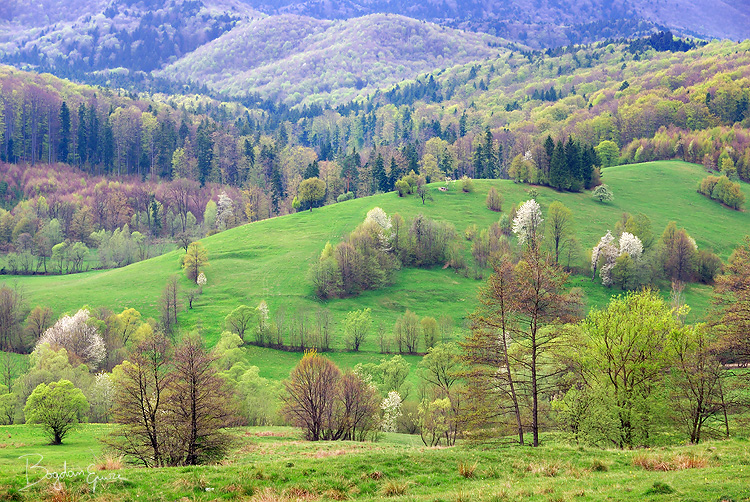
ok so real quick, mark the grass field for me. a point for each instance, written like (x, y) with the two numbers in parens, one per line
(269, 260)
(274, 464)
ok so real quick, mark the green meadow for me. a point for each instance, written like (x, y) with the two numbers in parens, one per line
(269, 260)
(275, 464)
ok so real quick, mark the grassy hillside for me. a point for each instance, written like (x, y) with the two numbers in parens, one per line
(300, 59)
(274, 464)
(268, 260)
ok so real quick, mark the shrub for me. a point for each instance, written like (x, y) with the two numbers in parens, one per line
(345, 197)
(467, 185)
(494, 200)
(602, 193)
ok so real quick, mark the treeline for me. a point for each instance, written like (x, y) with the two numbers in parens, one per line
(64, 213)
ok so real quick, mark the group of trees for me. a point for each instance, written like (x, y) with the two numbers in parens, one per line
(367, 258)
(604, 379)
(722, 189)
(563, 165)
(637, 258)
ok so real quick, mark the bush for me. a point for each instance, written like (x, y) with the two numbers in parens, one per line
(467, 185)
(602, 193)
(708, 265)
(494, 200)
(345, 197)
(722, 189)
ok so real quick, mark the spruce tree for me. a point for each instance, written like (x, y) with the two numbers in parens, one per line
(63, 149)
(558, 172)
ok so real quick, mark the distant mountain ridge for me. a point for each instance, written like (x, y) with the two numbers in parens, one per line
(544, 23)
(299, 59)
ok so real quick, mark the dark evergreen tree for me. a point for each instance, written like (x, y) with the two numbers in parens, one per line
(92, 146)
(63, 149)
(82, 137)
(559, 178)
(573, 165)
(379, 178)
(394, 175)
(204, 149)
(312, 171)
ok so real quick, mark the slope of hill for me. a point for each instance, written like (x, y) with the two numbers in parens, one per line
(299, 59)
(269, 260)
(134, 35)
(547, 23)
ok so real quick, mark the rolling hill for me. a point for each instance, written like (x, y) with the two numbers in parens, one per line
(547, 23)
(269, 260)
(299, 59)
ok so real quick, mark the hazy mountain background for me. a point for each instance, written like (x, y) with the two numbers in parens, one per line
(319, 51)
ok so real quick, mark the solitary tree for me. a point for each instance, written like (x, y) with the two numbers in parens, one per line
(519, 326)
(56, 407)
(624, 358)
(527, 223)
(732, 301)
(494, 200)
(198, 406)
(310, 394)
(602, 193)
(142, 384)
(356, 327)
(311, 192)
(239, 320)
(559, 227)
(195, 258)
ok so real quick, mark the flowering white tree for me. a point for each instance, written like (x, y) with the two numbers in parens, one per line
(606, 252)
(383, 222)
(631, 245)
(391, 407)
(201, 280)
(527, 221)
(224, 211)
(76, 335)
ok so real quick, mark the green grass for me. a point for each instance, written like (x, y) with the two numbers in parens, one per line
(275, 461)
(269, 260)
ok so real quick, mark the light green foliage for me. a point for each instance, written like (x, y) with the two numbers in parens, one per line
(429, 331)
(311, 192)
(228, 350)
(434, 421)
(356, 327)
(56, 407)
(209, 216)
(624, 350)
(8, 402)
(608, 153)
(388, 375)
(240, 320)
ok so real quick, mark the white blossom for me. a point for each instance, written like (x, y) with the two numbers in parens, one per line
(391, 407)
(78, 337)
(632, 245)
(607, 252)
(527, 221)
(201, 280)
(380, 217)
(383, 222)
(224, 210)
